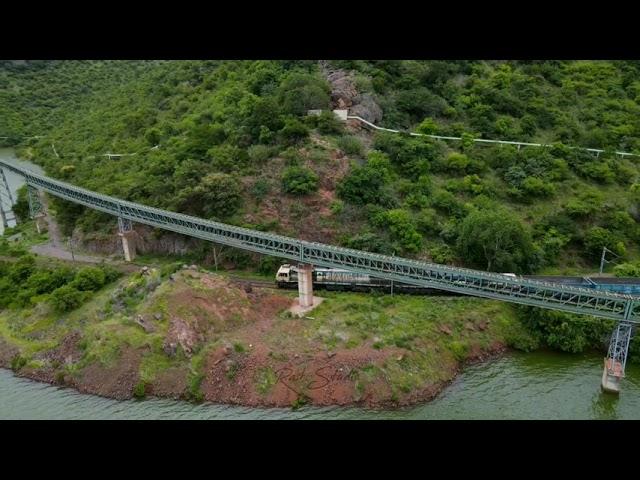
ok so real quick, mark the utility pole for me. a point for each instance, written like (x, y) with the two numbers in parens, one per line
(394, 254)
(73, 258)
(603, 260)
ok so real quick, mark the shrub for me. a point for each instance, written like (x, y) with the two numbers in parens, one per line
(258, 154)
(350, 145)
(459, 349)
(66, 298)
(336, 207)
(22, 269)
(228, 158)
(89, 279)
(428, 127)
(261, 188)
(597, 170)
(140, 390)
(299, 181)
(537, 187)
(447, 202)
(268, 265)
(293, 131)
(328, 123)
(441, 253)
(17, 362)
(457, 162)
(427, 222)
(369, 242)
(627, 270)
(552, 244)
(110, 273)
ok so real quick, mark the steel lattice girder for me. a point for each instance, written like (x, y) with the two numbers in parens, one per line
(461, 280)
(619, 345)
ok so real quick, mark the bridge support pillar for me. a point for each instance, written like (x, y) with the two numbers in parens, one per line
(128, 245)
(614, 363)
(39, 222)
(126, 233)
(305, 285)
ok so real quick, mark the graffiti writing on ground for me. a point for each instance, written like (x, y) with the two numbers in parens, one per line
(291, 377)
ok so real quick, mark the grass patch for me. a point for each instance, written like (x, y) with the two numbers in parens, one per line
(265, 380)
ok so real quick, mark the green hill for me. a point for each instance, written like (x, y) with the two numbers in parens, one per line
(230, 140)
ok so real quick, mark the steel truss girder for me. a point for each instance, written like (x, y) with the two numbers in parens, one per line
(619, 347)
(460, 280)
(124, 225)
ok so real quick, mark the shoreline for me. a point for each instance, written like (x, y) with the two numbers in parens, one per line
(427, 395)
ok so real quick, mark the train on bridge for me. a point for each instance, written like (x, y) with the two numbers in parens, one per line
(345, 280)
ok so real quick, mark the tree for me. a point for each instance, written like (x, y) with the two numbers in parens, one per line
(365, 184)
(597, 238)
(495, 239)
(401, 228)
(299, 181)
(216, 196)
(300, 92)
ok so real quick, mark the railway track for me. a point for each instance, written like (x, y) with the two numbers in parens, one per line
(253, 283)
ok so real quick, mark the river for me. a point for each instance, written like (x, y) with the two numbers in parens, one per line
(539, 385)
(15, 181)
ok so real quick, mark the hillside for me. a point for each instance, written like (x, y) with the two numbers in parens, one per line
(230, 140)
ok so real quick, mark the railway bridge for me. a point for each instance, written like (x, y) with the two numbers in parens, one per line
(624, 309)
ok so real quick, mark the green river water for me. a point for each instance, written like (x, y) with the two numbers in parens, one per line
(539, 385)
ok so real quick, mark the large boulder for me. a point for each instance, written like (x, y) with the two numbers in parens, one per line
(367, 108)
(345, 95)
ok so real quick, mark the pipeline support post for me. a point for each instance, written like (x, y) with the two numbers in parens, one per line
(616, 360)
(126, 233)
(305, 284)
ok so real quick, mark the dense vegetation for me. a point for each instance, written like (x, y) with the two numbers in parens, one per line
(225, 139)
(24, 283)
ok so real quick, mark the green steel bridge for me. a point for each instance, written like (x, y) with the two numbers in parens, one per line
(625, 309)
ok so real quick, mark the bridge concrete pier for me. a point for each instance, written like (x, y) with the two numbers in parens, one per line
(128, 245)
(305, 285)
(611, 377)
(39, 222)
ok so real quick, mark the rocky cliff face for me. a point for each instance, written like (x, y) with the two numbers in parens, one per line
(147, 241)
(345, 95)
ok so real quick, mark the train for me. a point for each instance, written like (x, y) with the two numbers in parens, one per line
(346, 280)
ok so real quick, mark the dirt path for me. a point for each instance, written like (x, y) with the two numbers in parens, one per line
(51, 250)
(52, 225)
(56, 247)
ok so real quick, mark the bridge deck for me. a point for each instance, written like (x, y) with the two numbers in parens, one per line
(461, 280)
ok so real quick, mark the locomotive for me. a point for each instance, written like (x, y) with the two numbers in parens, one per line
(338, 279)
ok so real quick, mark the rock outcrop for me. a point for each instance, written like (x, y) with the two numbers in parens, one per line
(345, 95)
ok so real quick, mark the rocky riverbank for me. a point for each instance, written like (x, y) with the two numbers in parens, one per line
(198, 336)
